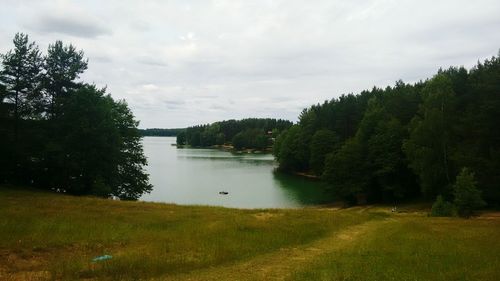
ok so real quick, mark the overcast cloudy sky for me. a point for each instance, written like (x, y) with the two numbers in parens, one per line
(181, 63)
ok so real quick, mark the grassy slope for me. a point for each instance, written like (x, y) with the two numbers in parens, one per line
(416, 248)
(45, 236)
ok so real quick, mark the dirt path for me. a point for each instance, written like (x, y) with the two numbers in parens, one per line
(279, 265)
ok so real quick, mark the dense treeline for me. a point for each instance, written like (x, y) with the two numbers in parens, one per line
(252, 133)
(404, 141)
(160, 132)
(61, 134)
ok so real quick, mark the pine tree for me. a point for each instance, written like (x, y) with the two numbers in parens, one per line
(429, 146)
(467, 196)
(21, 77)
(63, 65)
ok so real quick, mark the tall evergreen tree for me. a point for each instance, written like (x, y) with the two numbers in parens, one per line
(20, 101)
(63, 65)
(21, 77)
(431, 137)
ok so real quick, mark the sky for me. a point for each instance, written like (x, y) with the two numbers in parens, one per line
(179, 63)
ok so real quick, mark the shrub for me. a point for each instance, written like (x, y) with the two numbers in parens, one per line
(467, 196)
(442, 208)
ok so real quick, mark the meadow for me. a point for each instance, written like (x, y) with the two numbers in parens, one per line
(48, 236)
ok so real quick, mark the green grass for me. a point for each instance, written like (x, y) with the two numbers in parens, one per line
(416, 248)
(61, 234)
(53, 236)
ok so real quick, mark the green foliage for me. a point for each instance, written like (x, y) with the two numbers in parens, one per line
(181, 138)
(442, 208)
(97, 148)
(63, 65)
(160, 132)
(20, 77)
(252, 133)
(220, 139)
(63, 134)
(250, 138)
(386, 158)
(292, 151)
(278, 144)
(20, 102)
(239, 141)
(404, 141)
(467, 196)
(381, 133)
(431, 137)
(322, 143)
(479, 147)
(346, 171)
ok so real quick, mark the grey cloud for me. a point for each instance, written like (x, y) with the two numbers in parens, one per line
(101, 59)
(174, 104)
(147, 60)
(73, 26)
(218, 107)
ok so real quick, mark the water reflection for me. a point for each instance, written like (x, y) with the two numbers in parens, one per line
(196, 176)
(306, 191)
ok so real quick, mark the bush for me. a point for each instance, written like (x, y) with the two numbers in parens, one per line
(442, 208)
(467, 196)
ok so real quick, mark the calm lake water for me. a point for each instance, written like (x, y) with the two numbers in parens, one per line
(196, 176)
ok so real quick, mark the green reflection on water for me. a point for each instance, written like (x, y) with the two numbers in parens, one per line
(196, 176)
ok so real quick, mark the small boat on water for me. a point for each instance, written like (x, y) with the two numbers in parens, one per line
(223, 192)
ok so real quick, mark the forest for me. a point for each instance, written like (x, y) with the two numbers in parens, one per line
(406, 141)
(157, 132)
(61, 134)
(250, 133)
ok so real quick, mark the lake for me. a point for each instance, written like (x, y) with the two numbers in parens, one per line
(196, 176)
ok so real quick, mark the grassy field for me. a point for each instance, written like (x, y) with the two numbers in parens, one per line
(46, 236)
(416, 248)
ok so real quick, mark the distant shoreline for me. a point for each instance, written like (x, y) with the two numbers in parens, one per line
(229, 148)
